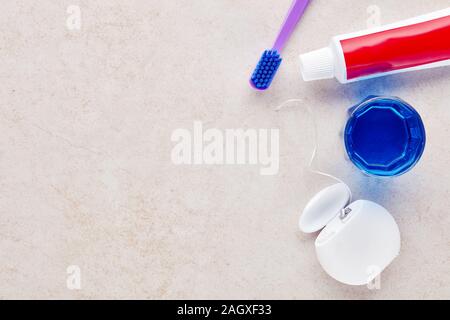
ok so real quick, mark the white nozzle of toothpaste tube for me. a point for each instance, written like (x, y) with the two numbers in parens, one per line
(318, 64)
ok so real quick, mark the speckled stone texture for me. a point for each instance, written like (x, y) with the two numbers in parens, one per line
(86, 176)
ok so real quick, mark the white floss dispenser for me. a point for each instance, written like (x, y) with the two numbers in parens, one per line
(358, 239)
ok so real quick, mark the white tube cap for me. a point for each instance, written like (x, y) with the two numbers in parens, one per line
(317, 64)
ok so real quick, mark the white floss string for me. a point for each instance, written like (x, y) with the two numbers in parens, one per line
(316, 141)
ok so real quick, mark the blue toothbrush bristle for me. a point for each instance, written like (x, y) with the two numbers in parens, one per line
(265, 69)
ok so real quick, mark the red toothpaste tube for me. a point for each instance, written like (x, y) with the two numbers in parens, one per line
(419, 43)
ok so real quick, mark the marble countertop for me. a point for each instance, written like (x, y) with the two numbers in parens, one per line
(92, 204)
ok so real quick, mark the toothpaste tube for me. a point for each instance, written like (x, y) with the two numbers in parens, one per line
(414, 44)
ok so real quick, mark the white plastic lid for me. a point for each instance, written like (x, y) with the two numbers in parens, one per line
(317, 64)
(323, 207)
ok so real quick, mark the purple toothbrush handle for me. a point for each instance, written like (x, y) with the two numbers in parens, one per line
(294, 14)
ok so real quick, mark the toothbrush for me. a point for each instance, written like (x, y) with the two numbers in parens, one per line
(270, 60)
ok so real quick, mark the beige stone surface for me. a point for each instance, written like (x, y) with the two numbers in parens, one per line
(86, 177)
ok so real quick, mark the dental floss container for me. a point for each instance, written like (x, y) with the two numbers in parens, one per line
(357, 241)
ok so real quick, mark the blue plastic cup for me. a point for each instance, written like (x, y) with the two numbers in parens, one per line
(384, 136)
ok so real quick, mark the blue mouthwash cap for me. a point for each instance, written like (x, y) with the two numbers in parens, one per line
(384, 136)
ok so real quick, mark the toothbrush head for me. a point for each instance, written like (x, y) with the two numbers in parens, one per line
(265, 69)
